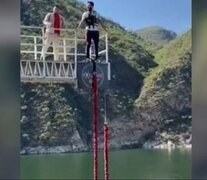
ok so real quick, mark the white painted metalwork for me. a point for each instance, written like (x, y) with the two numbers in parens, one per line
(46, 69)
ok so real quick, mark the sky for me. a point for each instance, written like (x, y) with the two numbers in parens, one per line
(173, 15)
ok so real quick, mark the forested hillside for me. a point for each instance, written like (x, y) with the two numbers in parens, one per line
(165, 101)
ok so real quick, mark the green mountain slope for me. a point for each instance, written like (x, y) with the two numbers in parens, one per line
(164, 105)
(175, 49)
(156, 34)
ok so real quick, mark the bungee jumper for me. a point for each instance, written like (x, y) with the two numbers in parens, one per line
(92, 21)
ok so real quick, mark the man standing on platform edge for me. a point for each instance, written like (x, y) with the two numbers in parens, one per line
(92, 21)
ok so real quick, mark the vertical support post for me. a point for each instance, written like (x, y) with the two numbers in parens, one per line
(95, 120)
(91, 51)
(64, 49)
(107, 48)
(109, 71)
(43, 47)
(75, 74)
(35, 47)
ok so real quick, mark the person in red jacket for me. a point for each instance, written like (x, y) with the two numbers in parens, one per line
(92, 22)
(53, 22)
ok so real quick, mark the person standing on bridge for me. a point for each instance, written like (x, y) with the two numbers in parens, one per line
(92, 21)
(53, 22)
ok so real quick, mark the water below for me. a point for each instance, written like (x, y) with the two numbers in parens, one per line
(125, 164)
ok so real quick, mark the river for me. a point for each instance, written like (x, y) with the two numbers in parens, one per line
(124, 164)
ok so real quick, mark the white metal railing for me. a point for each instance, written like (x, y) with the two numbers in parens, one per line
(32, 46)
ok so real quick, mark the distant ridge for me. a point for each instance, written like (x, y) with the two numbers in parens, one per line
(157, 34)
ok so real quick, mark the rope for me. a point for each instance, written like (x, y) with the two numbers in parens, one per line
(95, 129)
(95, 120)
(106, 139)
(106, 152)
